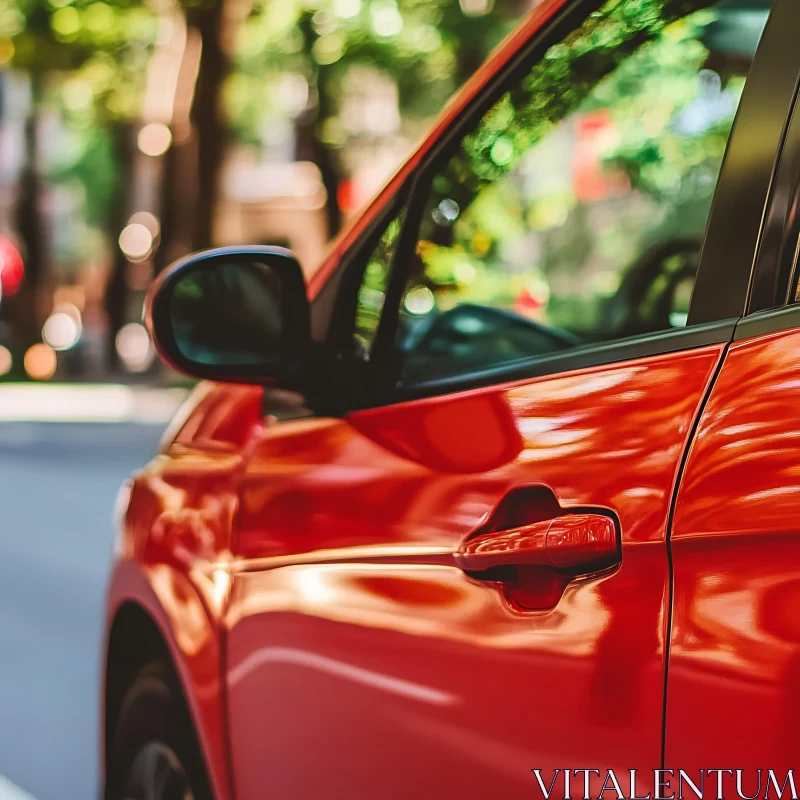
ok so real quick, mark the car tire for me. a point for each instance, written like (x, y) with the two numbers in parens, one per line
(153, 753)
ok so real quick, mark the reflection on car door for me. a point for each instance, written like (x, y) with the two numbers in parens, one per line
(363, 662)
(733, 685)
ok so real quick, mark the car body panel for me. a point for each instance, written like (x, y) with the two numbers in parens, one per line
(357, 649)
(733, 687)
(173, 549)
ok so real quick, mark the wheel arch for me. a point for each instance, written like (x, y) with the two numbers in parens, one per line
(147, 613)
(134, 640)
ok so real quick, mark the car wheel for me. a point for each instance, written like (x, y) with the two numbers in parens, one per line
(154, 753)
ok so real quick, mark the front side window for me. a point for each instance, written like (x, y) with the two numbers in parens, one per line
(573, 213)
(374, 283)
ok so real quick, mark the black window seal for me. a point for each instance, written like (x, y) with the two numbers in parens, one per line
(772, 275)
(747, 202)
(763, 323)
(776, 263)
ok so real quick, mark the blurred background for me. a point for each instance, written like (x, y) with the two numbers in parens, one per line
(133, 132)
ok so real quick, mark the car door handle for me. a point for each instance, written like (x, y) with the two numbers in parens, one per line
(577, 543)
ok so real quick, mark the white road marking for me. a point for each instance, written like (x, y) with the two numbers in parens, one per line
(10, 791)
(349, 672)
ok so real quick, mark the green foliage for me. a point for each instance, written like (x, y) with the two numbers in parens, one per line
(88, 60)
(559, 82)
(94, 167)
(427, 48)
(60, 35)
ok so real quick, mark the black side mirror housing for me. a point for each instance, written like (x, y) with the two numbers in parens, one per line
(235, 314)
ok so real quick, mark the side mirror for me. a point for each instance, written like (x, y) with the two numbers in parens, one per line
(236, 314)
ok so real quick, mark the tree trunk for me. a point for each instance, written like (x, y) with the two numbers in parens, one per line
(206, 116)
(22, 309)
(117, 289)
(309, 147)
(177, 203)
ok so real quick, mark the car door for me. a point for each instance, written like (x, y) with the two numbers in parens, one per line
(463, 576)
(734, 663)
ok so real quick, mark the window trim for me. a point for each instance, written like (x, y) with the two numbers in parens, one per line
(734, 238)
(352, 267)
(763, 323)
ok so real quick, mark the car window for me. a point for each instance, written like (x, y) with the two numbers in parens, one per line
(573, 213)
(372, 291)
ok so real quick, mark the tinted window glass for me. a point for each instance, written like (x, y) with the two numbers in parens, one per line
(574, 212)
(372, 292)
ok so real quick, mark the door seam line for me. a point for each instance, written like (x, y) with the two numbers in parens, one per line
(690, 437)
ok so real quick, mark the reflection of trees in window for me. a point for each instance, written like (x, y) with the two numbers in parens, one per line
(567, 190)
(372, 293)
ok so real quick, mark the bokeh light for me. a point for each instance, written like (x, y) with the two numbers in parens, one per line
(386, 18)
(154, 139)
(147, 219)
(476, 8)
(136, 241)
(6, 360)
(134, 347)
(62, 329)
(12, 268)
(419, 300)
(346, 8)
(40, 362)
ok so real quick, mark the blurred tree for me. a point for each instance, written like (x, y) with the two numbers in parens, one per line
(190, 185)
(216, 22)
(102, 100)
(295, 57)
(88, 55)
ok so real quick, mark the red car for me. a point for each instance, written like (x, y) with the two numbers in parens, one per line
(509, 492)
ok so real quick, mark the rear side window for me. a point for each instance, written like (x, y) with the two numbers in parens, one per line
(573, 213)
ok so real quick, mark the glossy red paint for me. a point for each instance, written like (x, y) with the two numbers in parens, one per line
(355, 645)
(733, 691)
(173, 549)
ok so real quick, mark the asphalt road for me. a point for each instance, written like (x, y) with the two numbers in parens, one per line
(57, 487)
